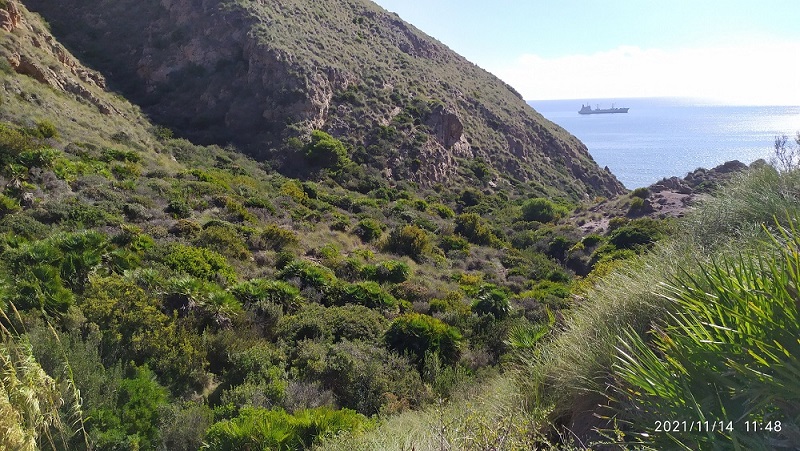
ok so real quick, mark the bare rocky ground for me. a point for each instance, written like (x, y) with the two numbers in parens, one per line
(669, 198)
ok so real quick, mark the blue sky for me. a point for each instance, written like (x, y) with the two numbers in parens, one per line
(735, 51)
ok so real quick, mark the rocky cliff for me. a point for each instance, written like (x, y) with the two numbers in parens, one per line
(256, 73)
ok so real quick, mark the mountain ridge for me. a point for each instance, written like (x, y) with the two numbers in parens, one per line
(255, 74)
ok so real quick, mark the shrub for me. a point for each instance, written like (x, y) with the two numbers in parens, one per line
(262, 363)
(310, 274)
(199, 262)
(417, 334)
(129, 156)
(137, 328)
(369, 378)
(185, 228)
(474, 228)
(333, 324)
(639, 232)
(615, 223)
(12, 143)
(179, 208)
(42, 157)
(641, 193)
(223, 239)
(326, 151)
(454, 243)
(637, 205)
(443, 211)
(409, 240)
(368, 294)
(276, 238)
(491, 300)
(542, 210)
(204, 302)
(8, 205)
(368, 230)
(391, 271)
(258, 428)
(255, 292)
(134, 420)
(46, 129)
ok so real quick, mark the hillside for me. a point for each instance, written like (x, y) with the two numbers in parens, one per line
(160, 294)
(256, 74)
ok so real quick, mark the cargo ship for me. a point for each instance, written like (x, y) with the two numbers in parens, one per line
(586, 109)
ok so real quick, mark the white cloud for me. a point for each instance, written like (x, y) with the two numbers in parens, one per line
(755, 73)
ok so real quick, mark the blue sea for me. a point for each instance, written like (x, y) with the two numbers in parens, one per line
(664, 137)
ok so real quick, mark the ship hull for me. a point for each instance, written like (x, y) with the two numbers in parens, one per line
(608, 111)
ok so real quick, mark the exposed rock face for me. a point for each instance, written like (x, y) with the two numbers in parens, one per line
(700, 180)
(255, 73)
(10, 17)
(69, 76)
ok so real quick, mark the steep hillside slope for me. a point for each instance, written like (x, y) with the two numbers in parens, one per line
(58, 88)
(256, 73)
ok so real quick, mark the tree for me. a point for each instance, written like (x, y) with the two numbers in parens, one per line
(326, 151)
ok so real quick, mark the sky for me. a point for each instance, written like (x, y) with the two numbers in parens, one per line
(730, 51)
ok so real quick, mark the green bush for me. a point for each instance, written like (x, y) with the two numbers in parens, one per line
(333, 324)
(47, 272)
(199, 262)
(391, 271)
(641, 193)
(224, 240)
(259, 367)
(276, 238)
(639, 232)
(255, 292)
(368, 378)
(43, 157)
(454, 243)
(46, 129)
(491, 300)
(8, 205)
(409, 240)
(186, 228)
(326, 151)
(133, 422)
(472, 227)
(368, 230)
(129, 156)
(417, 335)
(310, 274)
(368, 294)
(12, 143)
(443, 211)
(256, 428)
(542, 210)
(637, 205)
(205, 303)
(179, 208)
(135, 326)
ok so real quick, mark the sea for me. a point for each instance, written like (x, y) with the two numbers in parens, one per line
(665, 137)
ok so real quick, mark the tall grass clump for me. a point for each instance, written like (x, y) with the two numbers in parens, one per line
(572, 373)
(727, 357)
(491, 416)
(34, 413)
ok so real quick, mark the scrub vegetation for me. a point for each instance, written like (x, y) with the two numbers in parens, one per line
(159, 294)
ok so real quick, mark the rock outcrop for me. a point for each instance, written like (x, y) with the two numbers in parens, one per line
(33, 46)
(257, 73)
